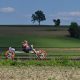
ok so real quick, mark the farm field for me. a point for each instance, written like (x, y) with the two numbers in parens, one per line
(38, 36)
(55, 41)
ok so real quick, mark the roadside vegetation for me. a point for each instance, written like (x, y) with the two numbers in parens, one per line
(64, 62)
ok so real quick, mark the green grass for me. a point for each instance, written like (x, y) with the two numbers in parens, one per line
(40, 63)
(39, 41)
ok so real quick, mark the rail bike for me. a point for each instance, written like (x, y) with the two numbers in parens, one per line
(40, 53)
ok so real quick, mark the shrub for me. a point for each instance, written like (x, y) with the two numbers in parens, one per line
(74, 30)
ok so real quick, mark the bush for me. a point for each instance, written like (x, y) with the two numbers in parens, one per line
(74, 30)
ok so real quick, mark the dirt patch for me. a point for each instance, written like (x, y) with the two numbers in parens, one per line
(40, 31)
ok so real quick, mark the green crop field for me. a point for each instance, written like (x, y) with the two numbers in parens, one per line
(39, 41)
(38, 36)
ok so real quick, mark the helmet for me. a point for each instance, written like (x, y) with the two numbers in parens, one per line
(11, 49)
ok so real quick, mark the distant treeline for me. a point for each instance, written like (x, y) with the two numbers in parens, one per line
(32, 26)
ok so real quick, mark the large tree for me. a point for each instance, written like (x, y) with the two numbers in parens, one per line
(38, 16)
(56, 22)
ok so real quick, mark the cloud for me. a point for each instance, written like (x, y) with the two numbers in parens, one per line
(66, 17)
(27, 15)
(75, 14)
(7, 10)
(72, 14)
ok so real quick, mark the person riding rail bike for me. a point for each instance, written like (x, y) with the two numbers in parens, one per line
(26, 47)
(10, 53)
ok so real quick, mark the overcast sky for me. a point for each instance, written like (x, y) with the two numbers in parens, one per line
(20, 11)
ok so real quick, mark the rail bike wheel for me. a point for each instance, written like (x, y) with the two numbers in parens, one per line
(41, 54)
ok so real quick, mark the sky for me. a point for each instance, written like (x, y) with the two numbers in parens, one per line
(19, 12)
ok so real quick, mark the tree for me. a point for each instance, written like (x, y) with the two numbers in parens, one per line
(57, 22)
(74, 30)
(38, 16)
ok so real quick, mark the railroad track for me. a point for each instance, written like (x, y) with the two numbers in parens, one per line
(20, 55)
(48, 58)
